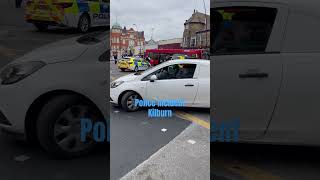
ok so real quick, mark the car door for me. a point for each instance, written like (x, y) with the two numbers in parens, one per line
(143, 64)
(94, 10)
(246, 64)
(172, 85)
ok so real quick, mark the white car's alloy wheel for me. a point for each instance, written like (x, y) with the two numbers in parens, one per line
(128, 101)
(67, 129)
(59, 129)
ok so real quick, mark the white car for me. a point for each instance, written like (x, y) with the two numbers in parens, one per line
(266, 69)
(44, 93)
(187, 80)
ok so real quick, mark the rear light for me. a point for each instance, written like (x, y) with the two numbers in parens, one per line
(64, 5)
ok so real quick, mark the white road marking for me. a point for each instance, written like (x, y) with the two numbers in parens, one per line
(164, 130)
(190, 141)
(21, 158)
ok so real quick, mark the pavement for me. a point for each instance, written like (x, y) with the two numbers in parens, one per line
(185, 157)
(146, 148)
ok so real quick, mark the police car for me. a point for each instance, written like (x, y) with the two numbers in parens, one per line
(133, 64)
(81, 14)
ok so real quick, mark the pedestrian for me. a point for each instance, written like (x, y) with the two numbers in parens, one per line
(115, 59)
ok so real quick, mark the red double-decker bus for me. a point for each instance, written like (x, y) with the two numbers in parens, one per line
(158, 56)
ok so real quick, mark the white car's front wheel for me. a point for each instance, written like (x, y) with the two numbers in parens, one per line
(128, 101)
(59, 126)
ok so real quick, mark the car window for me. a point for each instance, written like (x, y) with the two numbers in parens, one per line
(241, 30)
(176, 71)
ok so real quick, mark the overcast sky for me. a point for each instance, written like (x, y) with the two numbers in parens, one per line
(165, 16)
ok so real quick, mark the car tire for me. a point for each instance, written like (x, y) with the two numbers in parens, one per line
(127, 101)
(136, 69)
(51, 120)
(122, 69)
(84, 23)
(41, 27)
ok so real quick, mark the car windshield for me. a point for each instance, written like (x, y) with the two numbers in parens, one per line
(93, 38)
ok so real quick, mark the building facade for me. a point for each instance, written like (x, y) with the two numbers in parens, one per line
(151, 44)
(196, 33)
(170, 43)
(124, 41)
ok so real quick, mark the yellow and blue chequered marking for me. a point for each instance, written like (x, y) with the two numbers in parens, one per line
(93, 7)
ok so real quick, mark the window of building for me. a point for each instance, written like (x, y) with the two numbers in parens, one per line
(193, 42)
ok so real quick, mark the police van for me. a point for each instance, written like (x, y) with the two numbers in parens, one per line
(81, 14)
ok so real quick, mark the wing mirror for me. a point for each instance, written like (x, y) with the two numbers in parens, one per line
(153, 78)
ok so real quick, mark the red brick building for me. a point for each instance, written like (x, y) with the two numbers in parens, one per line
(124, 40)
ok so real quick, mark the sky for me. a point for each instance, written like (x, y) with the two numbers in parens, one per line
(166, 17)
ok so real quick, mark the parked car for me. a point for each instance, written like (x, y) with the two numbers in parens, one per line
(265, 69)
(72, 13)
(187, 80)
(46, 92)
(133, 64)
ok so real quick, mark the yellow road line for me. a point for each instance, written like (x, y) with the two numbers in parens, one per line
(194, 119)
(9, 52)
(243, 170)
(247, 172)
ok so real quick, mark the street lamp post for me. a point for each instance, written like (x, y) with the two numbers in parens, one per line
(205, 13)
(138, 39)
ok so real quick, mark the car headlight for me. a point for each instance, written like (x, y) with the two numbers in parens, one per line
(16, 72)
(116, 84)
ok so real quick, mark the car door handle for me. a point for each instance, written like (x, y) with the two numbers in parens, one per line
(189, 85)
(253, 75)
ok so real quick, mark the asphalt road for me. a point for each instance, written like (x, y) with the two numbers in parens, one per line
(135, 137)
(244, 161)
(19, 160)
